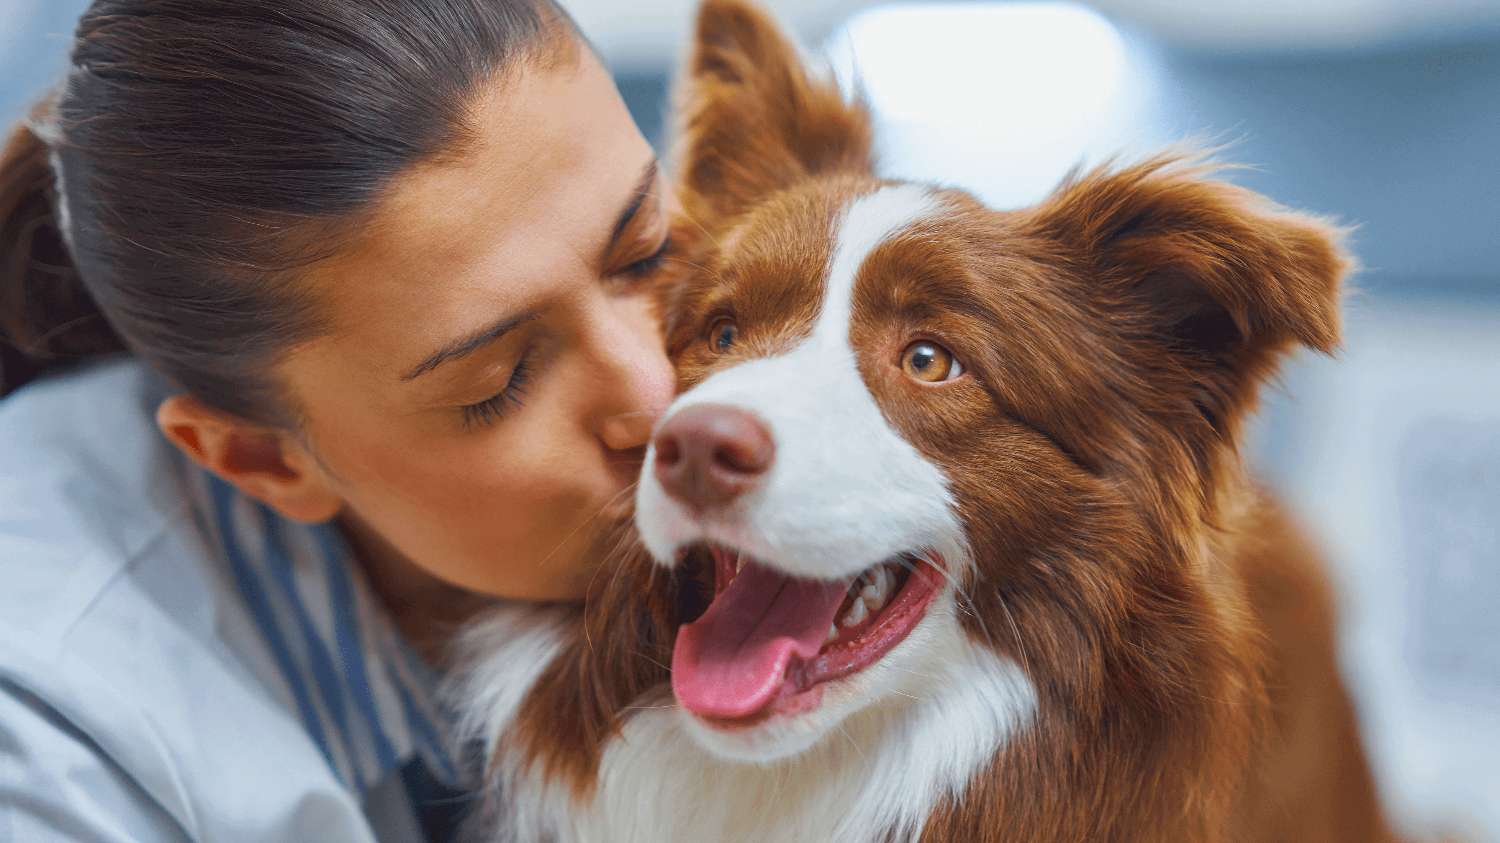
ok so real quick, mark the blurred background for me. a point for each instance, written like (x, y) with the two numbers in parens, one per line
(1381, 114)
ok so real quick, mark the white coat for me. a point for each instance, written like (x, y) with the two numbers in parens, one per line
(179, 664)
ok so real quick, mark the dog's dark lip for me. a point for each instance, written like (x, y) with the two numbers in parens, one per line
(692, 568)
(920, 582)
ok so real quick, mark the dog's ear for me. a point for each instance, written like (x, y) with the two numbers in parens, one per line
(1207, 282)
(1211, 268)
(754, 120)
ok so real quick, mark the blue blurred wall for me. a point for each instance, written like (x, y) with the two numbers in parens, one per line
(1403, 141)
(34, 38)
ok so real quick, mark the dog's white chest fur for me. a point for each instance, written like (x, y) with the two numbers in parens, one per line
(875, 779)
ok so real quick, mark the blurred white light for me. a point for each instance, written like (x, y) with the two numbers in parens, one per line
(1299, 24)
(1000, 98)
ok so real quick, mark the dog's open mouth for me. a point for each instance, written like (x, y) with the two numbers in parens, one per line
(769, 641)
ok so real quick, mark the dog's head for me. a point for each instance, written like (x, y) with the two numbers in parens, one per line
(913, 428)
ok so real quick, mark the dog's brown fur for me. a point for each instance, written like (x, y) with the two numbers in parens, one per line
(1175, 625)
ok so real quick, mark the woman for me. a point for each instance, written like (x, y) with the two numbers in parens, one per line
(383, 272)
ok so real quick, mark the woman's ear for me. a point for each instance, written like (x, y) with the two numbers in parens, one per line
(270, 465)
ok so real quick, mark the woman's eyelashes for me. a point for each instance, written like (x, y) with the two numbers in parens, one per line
(494, 408)
(491, 410)
(650, 264)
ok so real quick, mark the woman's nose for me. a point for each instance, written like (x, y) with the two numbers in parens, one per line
(639, 380)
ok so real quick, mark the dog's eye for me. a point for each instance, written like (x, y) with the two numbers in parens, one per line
(722, 335)
(929, 362)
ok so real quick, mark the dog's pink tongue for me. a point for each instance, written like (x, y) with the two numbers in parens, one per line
(732, 660)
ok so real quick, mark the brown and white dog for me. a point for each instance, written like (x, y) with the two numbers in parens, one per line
(946, 537)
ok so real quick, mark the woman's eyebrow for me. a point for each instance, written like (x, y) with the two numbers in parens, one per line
(472, 343)
(637, 199)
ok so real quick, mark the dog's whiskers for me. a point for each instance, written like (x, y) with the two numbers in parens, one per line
(958, 589)
(1015, 630)
(914, 672)
(702, 229)
(638, 654)
(586, 522)
(852, 742)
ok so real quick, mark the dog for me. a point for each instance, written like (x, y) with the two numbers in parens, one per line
(946, 537)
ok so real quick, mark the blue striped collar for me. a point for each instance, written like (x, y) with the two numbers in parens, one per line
(362, 693)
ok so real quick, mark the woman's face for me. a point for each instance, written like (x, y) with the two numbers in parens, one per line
(494, 363)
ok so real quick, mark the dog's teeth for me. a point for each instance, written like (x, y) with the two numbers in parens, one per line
(833, 632)
(856, 614)
(872, 591)
(879, 589)
(739, 563)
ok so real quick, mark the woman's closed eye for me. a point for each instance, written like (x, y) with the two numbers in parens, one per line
(650, 264)
(491, 410)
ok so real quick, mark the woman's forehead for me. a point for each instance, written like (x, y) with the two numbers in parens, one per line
(520, 212)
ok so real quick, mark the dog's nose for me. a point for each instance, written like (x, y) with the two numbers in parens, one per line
(707, 455)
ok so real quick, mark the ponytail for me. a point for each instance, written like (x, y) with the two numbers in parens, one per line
(47, 317)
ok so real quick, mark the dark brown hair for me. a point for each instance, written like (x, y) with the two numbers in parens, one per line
(201, 152)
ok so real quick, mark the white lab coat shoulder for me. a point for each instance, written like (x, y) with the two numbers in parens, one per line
(137, 699)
